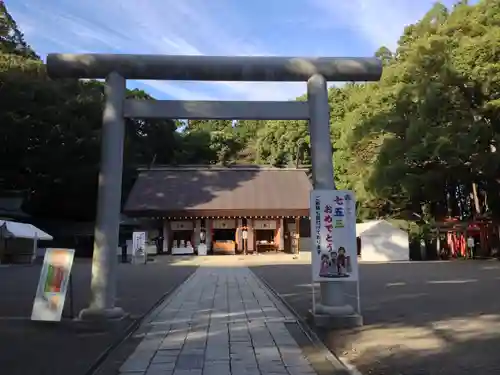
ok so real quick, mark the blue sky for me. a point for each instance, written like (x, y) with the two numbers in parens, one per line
(216, 27)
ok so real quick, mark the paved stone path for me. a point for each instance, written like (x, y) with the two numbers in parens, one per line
(221, 321)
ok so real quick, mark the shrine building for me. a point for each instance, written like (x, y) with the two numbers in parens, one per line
(231, 209)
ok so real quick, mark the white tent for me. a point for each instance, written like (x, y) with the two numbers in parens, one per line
(382, 242)
(20, 241)
(12, 229)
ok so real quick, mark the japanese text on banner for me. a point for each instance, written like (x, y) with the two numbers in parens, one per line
(334, 226)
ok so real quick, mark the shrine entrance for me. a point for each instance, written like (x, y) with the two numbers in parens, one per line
(116, 69)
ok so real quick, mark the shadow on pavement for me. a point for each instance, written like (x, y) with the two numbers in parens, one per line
(420, 318)
(69, 348)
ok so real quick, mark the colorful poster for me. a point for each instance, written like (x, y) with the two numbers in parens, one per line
(52, 286)
(333, 234)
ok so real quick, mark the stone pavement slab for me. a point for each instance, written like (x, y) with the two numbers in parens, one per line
(221, 321)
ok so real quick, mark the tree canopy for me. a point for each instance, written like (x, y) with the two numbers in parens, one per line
(423, 141)
(50, 131)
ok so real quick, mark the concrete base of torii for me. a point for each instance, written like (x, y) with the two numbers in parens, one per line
(341, 318)
(93, 314)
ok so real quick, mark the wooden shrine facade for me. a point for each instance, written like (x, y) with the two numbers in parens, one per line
(230, 209)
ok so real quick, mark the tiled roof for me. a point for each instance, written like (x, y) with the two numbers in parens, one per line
(220, 191)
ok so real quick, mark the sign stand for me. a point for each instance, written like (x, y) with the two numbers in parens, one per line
(55, 278)
(313, 290)
(358, 297)
(71, 313)
(333, 227)
(139, 248)
(71, 299)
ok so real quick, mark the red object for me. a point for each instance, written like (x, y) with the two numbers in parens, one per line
(456, 235)
(57, 279)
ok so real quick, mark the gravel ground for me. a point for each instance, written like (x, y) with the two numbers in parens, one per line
(420, 318)
(68, 348)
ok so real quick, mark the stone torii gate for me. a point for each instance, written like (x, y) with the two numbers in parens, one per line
(117, 68)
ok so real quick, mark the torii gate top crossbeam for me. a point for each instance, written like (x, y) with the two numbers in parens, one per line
(213, 68)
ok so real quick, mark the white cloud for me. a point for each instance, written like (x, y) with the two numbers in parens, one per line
(155, 27)
(178, 91)
(215, 27)
(380, 22)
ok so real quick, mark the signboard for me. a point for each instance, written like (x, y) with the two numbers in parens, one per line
(333, 235)
(202, 249)
(52, 286)
(139, 247)
(265, 224)
(181, 225)
(224, 224)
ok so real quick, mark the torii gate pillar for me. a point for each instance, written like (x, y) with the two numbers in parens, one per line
(333, 309)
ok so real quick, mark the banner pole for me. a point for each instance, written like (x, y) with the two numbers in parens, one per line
(313, 290)
(358, 297)
(71, 300)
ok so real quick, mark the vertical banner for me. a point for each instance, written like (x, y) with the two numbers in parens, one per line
(52, 286)
(333, 234)
(139, 247)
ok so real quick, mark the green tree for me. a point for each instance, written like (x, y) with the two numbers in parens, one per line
(385, 54)
(279, 142)
(209, 125)
(11, 38)
(426, 136)
(423, 141)
(51, 135)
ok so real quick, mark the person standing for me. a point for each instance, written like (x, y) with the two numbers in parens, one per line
(202, 235)
(202, 247)
(244, 237)
(470, 247)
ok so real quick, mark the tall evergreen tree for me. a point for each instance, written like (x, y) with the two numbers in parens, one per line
(11, 38)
